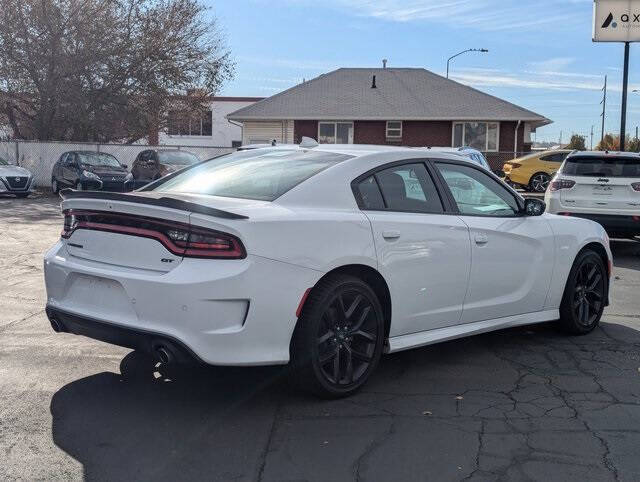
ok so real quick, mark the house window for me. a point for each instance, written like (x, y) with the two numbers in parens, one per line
(479, 135)
(181, 124)
(335, 132)
(394, 129)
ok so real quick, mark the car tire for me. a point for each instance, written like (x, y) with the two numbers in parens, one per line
(585, 294)
(55, 189)
(78, 186)
(539, 182)
(339, 337)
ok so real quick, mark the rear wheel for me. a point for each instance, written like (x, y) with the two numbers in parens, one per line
(338, 341)
(539, 182)
(585, 294)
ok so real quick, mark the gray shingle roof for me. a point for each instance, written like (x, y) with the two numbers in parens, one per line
(401, 94)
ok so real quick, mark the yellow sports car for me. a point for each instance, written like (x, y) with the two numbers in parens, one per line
(534, 171)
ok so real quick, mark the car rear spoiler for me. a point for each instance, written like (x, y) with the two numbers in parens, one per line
(166, 202)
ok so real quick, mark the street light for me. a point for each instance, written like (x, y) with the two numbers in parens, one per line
(460, 53)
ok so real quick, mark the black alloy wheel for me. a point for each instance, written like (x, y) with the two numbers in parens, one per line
(585, 294)
(339, 338)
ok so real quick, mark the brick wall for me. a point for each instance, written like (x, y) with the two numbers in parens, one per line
(420, 133)
(307, 128)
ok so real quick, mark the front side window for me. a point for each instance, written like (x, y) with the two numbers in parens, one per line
(394, 129)
(408, 188)
(335, 132)
(261, 174)
(482, 136)
(477, 194)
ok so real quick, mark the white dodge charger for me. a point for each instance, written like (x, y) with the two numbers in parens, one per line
(324, 257)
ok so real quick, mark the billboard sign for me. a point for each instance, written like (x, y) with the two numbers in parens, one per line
(616, 21)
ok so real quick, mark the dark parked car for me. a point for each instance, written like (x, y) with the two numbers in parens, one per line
(153, 164)
(91, 171)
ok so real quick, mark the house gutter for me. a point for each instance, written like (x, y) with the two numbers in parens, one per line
(241, 126)
(515, 140)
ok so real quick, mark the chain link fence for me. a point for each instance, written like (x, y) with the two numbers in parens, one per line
(39, 157)
(497, 159)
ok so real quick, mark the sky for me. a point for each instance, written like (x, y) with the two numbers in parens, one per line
(540, 57)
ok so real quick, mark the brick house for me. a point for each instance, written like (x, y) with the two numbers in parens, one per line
(396, 106)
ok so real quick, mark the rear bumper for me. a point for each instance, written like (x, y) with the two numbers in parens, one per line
(613, 224)
(137, 339)
(224, 312)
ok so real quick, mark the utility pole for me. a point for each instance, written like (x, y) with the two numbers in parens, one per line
(604, 107)
(560, 141)
(592, 137)
(625, 83)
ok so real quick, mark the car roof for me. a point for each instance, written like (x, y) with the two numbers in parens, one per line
(604, 154)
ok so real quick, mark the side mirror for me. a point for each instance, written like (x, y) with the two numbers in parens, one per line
(534, 207)
(500, 173)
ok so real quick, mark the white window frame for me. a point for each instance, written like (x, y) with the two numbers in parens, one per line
(398, 137)
(335, 129)
(486, 146)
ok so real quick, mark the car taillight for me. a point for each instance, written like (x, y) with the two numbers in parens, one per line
(636, 186)
(179, 238)
(561, 184)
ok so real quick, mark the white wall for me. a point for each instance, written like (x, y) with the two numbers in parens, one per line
(223, 132)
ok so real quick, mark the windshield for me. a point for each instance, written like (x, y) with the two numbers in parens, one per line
(178, 158)
(605, 166)
(97, 159)
(258, 174)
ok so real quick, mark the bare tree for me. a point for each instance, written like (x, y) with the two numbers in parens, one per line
(105, 70)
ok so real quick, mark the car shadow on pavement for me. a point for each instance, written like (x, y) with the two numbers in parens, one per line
(626, 253)
(143, 425)
(456, 405)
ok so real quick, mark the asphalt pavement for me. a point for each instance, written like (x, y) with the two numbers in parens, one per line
(520, 404)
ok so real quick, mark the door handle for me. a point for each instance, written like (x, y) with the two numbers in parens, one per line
(390, 235)
(481, 239)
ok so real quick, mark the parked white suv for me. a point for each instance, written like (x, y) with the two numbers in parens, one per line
(601, 186)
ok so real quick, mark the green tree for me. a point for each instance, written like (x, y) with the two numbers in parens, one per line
(577, 142)
(104, 70)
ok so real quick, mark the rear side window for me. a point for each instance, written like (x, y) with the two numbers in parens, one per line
(557, 157)
(605, 166)
(262, 174)
(370, 194)
(406, 188)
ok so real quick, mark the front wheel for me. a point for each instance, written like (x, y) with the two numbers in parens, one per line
(339, 338)
(585, 294)
(54, 186)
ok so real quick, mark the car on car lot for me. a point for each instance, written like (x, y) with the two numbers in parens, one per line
(534, 171)
(601, 186)
(323, 257)
(15, 180)
(470, 153)
(90, 170)
(152, 164)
